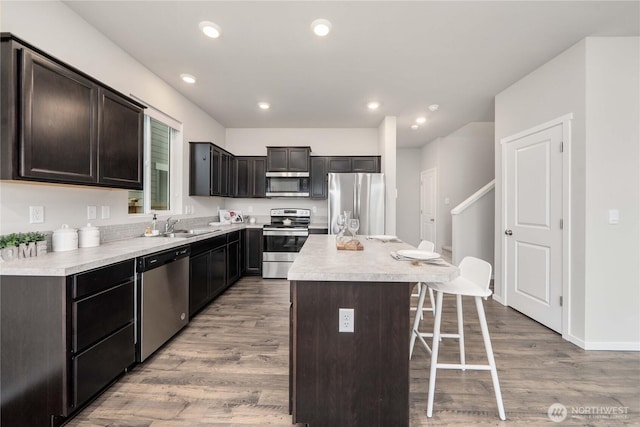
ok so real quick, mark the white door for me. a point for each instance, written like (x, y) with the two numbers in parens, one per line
(428, 205)
(533, 228)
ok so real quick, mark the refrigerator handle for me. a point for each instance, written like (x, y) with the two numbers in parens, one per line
(356, 200)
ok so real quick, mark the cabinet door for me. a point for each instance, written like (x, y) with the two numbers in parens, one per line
(277, 159)
(218, 271)
(200, 171)
(59, 122)
(298, 159)
(369, 164)
(120, 142)
(318, 178)
(231, 176)
(242, 177)
(224, 174)
(216, 169)
(233, 262)
(259, 177)
(198, 282)
(253, 252)
(339, 164)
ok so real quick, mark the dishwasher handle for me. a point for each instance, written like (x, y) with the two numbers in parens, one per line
(159, 259)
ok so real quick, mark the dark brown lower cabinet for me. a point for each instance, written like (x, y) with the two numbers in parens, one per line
(349, 379)
(253, 252)
(64, 339)
(207, 272)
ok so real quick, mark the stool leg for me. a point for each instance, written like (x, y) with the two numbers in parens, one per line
(416, 319)
(434, 353)
(492, 362)
(433, 303)
(460, 330)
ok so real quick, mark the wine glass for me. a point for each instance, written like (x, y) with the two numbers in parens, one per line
(353, 226)
(340, 222)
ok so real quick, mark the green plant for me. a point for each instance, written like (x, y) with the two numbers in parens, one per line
(15, 239)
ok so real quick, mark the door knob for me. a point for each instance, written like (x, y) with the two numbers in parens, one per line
(508, 232)
(432, 220)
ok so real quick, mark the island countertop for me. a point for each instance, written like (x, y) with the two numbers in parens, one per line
(319, 260)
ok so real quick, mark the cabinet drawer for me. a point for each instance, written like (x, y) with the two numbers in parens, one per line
(99, 315)
(102, 278)
(96, 367)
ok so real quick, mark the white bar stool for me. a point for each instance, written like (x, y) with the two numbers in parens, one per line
(475, 275)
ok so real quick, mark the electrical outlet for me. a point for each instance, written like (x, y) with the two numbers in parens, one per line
(106, 212)
(36, 214)
(346, 320)
(91, 212)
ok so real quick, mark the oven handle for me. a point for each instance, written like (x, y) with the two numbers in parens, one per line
(291, 232)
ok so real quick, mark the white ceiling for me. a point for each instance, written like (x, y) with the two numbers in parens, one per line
(407, 55)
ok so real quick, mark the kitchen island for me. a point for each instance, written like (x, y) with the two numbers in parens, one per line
(358, 378)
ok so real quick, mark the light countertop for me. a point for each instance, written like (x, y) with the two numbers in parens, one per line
(84, 259)
(319, 260)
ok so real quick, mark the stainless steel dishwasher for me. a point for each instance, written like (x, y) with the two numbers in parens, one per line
(163, 298)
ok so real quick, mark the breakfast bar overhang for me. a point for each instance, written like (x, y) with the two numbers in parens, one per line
(359, 378)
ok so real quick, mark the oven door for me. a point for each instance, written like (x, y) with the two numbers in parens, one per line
(284, 239)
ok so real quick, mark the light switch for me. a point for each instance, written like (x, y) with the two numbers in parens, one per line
(91, 212)
(447, 201)
(614, 216)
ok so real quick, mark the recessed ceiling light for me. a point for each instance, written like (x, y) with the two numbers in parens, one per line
(264, 105)
(321, 27)
(414, 126)
(210, 29)
(373, 105)
(433, 107)
(421, 120)
(188, 78)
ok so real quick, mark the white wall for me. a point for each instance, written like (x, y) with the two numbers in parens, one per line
(387, 144)
(465, 163)
(597, 81)
(408, 203)
(323, 142)
(612, 275)
(54, 28)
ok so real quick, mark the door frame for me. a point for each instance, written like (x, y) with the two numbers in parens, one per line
(435, 203)
(565, 121)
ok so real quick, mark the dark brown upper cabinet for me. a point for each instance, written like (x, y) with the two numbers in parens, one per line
(321, 166)
(120, 158)
(210, 170)
(288, 159)
(251, 176)
(61, 125)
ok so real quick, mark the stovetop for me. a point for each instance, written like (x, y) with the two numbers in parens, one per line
(299, 218)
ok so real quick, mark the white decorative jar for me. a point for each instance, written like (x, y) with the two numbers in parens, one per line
(88, 236)
(64, 239)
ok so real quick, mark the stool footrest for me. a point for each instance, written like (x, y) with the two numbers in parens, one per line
(463, 367)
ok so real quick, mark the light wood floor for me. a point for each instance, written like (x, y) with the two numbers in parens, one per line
(230, 367)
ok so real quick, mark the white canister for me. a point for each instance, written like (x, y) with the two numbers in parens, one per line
(64, 239)
(88, 236)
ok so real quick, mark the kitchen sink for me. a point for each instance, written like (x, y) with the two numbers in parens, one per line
(190, 233)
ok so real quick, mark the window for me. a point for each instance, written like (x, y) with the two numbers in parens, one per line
(162, 160)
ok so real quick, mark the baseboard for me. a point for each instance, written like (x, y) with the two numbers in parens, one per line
(612, 346)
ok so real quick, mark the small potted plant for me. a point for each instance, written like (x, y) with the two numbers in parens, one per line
(22, 245)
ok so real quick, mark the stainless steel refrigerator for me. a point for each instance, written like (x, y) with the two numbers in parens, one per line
(360, 193)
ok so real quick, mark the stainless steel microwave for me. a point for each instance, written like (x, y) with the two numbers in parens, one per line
(287, 184)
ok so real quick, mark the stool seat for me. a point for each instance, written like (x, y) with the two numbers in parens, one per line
(461, 286)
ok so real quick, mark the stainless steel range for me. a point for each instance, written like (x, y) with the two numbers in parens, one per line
(282, 240)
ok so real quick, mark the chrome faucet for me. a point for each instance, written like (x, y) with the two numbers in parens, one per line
(168, 226)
